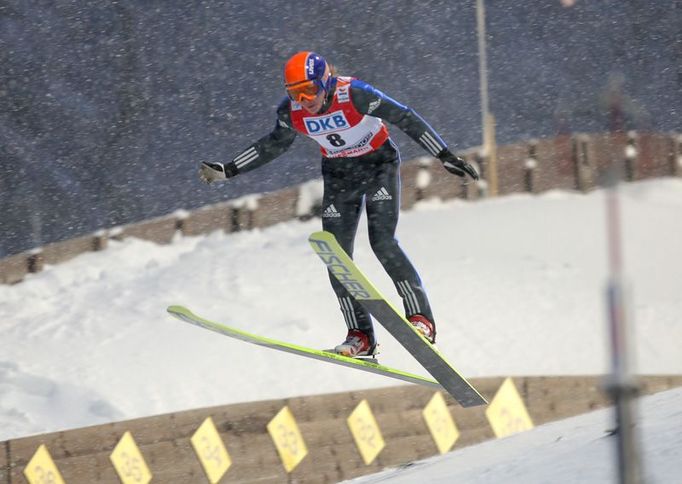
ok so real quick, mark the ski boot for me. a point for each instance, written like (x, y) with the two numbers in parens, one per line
(357, 344)
(424, 326)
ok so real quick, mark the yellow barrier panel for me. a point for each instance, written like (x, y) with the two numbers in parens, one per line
(128, 461)
(506, 413)
(211, 451)
(440, 423)
(366, 432)
(287, 438)
(41, 469)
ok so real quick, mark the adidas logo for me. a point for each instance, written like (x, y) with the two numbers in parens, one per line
(331, 212)
(382, 194)
(373, 105)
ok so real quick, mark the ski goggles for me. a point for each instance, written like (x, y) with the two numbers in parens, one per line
(306, 90)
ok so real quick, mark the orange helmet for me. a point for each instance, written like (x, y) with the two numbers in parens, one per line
(305, 73)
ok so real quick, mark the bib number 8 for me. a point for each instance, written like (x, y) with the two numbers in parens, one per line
(335, 140)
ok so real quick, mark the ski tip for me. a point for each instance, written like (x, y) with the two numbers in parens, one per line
(321, 235)
(176, 309)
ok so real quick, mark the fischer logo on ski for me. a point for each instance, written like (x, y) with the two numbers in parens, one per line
(341, 271)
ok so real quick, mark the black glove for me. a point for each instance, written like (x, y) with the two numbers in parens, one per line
(210, 172)
(456, 165)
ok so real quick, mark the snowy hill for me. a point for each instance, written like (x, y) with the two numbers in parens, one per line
(517, 285)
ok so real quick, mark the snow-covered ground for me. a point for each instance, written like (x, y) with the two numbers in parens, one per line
(517, 285)
(576, 450)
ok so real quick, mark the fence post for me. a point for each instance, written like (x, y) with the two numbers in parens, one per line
(423, 178)
(478, 189)
(631, 154)
(243, 213)
(581, 162)
(530, 166)
(100, 240)
(35, 261)
(676, 154)
(181, 215)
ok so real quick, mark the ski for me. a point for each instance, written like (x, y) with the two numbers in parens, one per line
(345, 270)
(184, 314)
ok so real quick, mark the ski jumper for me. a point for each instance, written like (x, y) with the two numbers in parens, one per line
(360, 165)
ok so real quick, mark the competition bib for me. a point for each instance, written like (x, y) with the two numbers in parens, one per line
(342, 131)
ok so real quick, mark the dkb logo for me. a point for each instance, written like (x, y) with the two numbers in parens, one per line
(323, 124)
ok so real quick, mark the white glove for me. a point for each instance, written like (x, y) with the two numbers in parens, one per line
(210, 171)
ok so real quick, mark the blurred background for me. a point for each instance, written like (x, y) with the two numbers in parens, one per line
(107, 107)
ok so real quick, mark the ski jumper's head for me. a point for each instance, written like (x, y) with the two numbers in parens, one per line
(308, 80)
